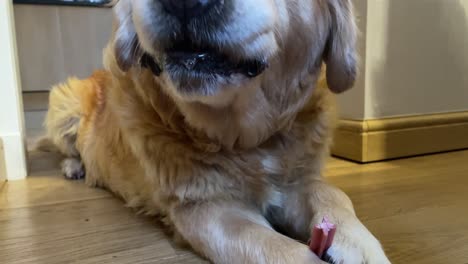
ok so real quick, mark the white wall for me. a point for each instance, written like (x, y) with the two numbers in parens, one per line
(11, 117)
(352, 103)
(416, 59)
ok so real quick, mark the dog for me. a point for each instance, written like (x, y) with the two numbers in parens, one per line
(217, 116)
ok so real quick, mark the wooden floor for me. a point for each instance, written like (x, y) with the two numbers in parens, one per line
(417, 207)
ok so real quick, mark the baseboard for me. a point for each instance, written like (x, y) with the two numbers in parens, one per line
(381, 139)
(14, 157)
(2, 163)
(36, 101)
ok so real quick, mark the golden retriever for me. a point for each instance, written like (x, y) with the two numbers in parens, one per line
(217, 115)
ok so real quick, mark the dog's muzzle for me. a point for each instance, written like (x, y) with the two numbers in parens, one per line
(183, 58)
(185, 9)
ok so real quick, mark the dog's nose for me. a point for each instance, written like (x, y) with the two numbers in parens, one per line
(186, 9)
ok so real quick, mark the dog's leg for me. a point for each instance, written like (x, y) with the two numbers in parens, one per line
(353, 243)
(228, 232)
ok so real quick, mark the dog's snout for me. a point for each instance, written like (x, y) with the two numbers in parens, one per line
(186, 9)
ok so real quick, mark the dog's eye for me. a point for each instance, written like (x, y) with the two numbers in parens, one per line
(255, 68)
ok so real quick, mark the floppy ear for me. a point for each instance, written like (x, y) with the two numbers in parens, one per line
(340, 52)
(125, 40)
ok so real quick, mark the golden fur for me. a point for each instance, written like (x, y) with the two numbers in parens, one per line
(222, 177)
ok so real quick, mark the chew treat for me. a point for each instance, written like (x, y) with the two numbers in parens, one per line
(322, 237)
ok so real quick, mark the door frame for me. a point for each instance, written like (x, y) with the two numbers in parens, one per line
(12, 131)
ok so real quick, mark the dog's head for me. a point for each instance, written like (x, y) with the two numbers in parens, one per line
(205, 48)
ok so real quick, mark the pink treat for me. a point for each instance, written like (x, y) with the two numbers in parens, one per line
(322, 237)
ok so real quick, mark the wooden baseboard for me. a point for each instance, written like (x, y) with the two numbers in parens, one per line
(381, 139)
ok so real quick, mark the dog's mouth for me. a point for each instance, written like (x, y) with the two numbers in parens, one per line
(210, 63)
(184, 61)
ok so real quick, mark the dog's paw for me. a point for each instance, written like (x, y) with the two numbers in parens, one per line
(354, 244)
(356, 250)
(339, 254)
(73, 169)
(355, 254)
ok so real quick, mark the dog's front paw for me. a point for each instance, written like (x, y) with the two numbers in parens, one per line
(73, 169)
(354, 244)
(356, 253)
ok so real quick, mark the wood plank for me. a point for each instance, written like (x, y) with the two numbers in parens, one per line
(82, 232)
(416, 207)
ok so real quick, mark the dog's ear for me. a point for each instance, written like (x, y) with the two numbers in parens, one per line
(125, 40)
(340, 53)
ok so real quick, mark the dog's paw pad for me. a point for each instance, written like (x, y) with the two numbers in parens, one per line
(73, 169)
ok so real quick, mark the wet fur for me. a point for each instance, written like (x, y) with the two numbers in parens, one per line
(224, 172)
